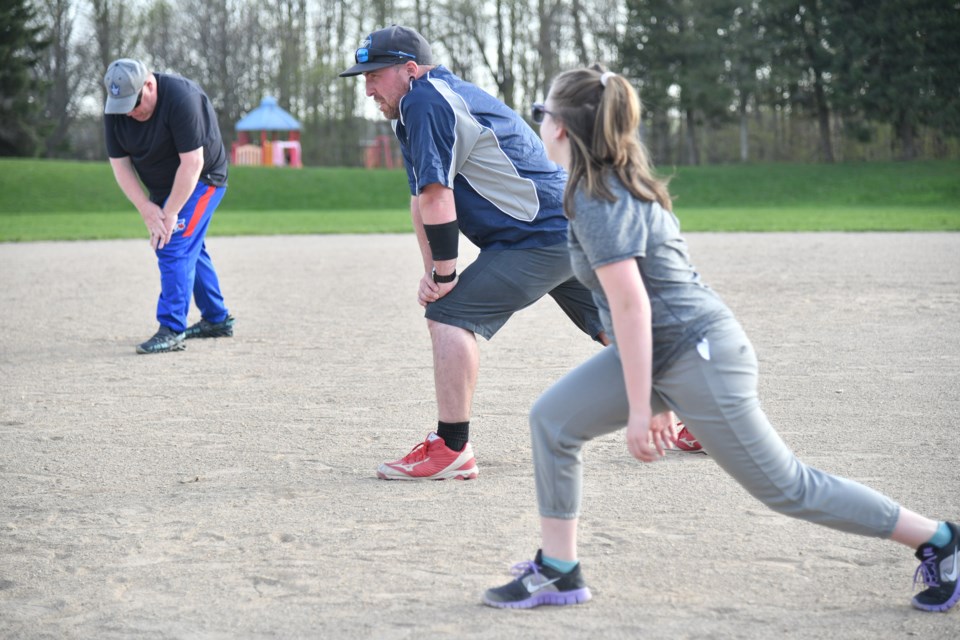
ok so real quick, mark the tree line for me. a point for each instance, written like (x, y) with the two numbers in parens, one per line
(721, 80)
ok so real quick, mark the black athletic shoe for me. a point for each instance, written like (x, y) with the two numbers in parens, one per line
(537, 584)
(204, 329)
(166, 339)
(938, 571)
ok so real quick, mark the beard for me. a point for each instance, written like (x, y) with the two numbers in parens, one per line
(390, 112)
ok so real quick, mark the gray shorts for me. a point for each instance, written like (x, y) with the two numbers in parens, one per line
(499, 283)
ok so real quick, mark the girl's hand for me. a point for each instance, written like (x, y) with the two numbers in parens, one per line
(663, 431)
(648, 438)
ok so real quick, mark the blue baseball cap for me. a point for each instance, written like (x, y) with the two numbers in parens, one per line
(388, 47)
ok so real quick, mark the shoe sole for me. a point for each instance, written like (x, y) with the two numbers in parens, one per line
(686, 452)
(211, 334)
(454, 475)
(177, 347)
(552, 598)
(946, 606)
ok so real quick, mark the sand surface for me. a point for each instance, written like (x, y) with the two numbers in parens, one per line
(228, 491)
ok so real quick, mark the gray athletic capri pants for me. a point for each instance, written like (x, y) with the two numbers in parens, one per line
(717, 401)
(499, 283)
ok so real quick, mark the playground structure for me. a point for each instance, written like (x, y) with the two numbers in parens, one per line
(272, 121)
(279, 141)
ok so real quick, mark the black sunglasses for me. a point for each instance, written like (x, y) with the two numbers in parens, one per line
(364, 54)
(538, 111)
(139, 98)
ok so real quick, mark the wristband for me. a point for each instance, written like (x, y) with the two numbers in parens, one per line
(439, 279)
(444, 240)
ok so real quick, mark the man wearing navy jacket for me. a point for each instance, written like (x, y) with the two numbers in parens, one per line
(474, 167)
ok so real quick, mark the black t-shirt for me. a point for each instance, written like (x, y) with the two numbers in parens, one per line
(183, 120)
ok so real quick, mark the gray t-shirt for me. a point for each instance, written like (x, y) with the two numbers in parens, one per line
(603, 232)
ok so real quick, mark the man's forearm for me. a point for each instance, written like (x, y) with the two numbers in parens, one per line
(128, 182)
(438, 218)
(421, 234)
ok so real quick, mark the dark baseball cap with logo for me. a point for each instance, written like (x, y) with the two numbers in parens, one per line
(124, 80)
(387, 47)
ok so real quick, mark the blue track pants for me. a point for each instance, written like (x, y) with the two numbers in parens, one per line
(185, 265)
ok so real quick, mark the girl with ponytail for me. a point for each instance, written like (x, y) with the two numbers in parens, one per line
(602, 123)
(677, 347)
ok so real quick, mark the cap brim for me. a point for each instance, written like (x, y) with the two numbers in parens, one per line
(120, 105)
(363, 67)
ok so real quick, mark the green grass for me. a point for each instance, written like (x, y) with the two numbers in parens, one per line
(55, 200)
(53, 186)
(821, 219)
(912, 185)
(24, 227)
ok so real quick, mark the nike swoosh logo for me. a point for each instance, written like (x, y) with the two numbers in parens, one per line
(409, 467)
(533, 588)
(952, 575)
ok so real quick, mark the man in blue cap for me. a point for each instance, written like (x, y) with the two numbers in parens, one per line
(474, 167)
(161, 133)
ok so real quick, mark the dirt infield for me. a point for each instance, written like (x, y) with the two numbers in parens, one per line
(228, 491)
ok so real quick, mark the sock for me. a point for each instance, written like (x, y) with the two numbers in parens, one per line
(454, 434)
(942, 537)
(563, 566)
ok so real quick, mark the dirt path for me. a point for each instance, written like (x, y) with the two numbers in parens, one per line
(228, 491)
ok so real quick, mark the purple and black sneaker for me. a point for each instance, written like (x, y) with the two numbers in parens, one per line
(537, 584)
(938, 572)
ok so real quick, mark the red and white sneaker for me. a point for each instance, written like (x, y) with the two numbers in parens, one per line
(432, 459)
(686, 441)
